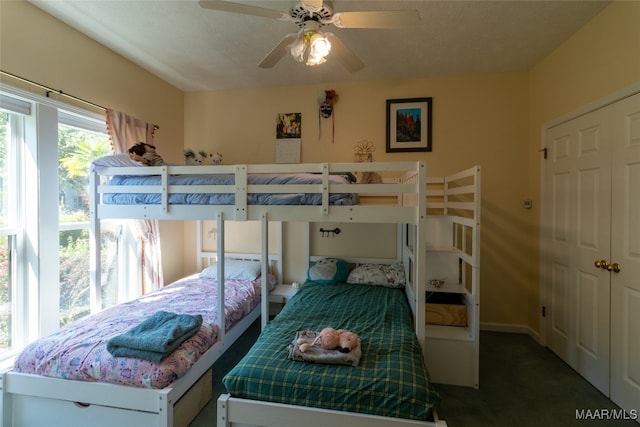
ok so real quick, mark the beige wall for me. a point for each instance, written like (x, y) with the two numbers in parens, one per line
(40, 48)
(601, 58)
(477, 119)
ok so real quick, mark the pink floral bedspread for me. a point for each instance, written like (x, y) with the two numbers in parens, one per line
(78, 351)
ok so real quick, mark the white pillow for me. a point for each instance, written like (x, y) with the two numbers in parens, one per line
(234, 269)
(113, 160)
(389, 275)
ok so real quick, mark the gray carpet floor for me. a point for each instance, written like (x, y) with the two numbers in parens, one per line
(521, 384)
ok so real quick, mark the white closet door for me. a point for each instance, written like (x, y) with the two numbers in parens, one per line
(579, 200)
(625, 250)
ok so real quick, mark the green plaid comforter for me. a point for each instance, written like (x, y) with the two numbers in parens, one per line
(391, 379)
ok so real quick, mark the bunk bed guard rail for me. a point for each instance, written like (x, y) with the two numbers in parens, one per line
(408, 188)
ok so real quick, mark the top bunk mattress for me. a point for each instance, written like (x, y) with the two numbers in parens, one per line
(391, 379)
(215, 198)
(78, 351)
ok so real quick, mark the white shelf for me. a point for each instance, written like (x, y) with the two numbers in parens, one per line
(448, 287)
(282, 293)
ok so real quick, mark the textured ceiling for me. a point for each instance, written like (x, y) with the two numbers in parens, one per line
(198, 49)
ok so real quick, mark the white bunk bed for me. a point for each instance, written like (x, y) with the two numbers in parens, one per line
(108, 405)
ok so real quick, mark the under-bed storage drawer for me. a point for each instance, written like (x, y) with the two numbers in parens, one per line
(31, 411)
(36, 411)
(189, 405)
(446, 308)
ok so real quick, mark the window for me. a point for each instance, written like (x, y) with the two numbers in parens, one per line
(11, 295)
(44, 200)
(77, 146)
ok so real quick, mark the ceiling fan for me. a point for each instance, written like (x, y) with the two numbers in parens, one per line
(309, 44)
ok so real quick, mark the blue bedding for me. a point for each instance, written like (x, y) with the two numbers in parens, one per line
(228, 198)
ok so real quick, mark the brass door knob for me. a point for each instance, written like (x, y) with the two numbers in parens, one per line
(615, 267)
(603, 263)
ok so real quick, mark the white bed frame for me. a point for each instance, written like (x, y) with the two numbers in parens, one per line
(33, 400)
(26, 396)
(240, 412)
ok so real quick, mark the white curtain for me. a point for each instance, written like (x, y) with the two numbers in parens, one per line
(125, 131)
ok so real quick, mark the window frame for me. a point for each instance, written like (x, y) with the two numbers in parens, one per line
(35, 300)
(14, 230)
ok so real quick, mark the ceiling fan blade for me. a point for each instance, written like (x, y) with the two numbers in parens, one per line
(277, 52)
(376, 19)
(347, 58)
(227, 6)
(314, 4)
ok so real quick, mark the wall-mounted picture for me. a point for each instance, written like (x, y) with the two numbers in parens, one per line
(409, 124)
(289, 125)
(288, 137)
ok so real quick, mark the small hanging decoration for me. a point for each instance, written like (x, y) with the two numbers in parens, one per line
(326, 99)
(364, 151)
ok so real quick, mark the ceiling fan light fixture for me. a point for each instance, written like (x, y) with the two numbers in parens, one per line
(297, 49)
(312, 46)
(319, 48)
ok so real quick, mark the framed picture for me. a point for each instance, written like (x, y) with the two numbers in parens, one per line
(409, 125)
(289, 125)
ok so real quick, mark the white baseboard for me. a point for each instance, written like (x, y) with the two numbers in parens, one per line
(515, 329)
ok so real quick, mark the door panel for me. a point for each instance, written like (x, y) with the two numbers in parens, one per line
(559, 177)
(625, 232)
(579, 178)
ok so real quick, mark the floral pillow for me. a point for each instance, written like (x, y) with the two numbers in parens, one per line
(389, 275)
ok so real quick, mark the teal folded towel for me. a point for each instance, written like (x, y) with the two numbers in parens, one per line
(156, 337)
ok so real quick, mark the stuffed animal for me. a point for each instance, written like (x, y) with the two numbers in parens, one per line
(202, 157)
(328, 270)
(348, 341)
(369, 178)
(146, 154)
(328, 338)
(216, 159)
(189, 157)
(332, 339)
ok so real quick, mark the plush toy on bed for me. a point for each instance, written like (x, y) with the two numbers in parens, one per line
(332, 339)
(190, 157)
(216, 159)
(204, 158)
(368, 178)
(200, 157)
(328, 270)
(146, 154)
